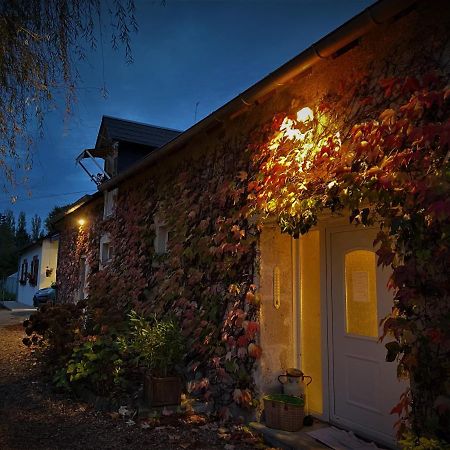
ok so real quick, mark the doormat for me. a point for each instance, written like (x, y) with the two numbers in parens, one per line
(341, 439)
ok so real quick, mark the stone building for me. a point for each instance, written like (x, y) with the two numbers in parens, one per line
(170, 232)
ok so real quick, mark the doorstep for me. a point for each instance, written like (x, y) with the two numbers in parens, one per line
(288, 440)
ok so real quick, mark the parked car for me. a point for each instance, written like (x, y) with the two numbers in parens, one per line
(44, 296)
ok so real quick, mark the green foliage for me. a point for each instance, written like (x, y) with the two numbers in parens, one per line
(413, 442)
(289, 399)
(8, 248)
(36, 228)
(56, 212)
(158, 345)
(22, 237)
(12, 239)
(96, 363)
(55, 329)
(383, 163)
(35, 65)
(7, 296)
(205, 279)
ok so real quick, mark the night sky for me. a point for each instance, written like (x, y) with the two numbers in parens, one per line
(184, 52)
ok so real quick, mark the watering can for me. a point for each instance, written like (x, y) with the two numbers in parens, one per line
(294, 382)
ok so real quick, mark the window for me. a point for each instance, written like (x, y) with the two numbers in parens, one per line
(23, 272)
(34, 271)
(109, 203)
(161, 239)
(106, 251)
(361, 293)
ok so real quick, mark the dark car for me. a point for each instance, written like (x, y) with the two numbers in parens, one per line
(44, 296)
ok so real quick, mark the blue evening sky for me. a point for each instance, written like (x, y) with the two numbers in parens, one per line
(184, 52)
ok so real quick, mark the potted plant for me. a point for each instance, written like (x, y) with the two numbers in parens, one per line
(159, 348)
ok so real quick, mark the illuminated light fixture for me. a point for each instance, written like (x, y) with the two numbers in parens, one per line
(81, 222)
(305, 115)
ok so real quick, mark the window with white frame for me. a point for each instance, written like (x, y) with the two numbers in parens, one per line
(106, 251)
(161, 236)
(83, 284)
(110, 199)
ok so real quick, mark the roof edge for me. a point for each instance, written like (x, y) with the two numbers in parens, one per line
(38, 242)
(371, 17)
(75, 206)
(142, 123)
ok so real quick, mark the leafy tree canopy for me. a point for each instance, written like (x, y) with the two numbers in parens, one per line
(22, 237)
(36, 228)
(55, 212)
(41, 42)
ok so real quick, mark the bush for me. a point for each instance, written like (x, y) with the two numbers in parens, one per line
(96, 364)
(103, 362)
(412, 442)
(55, 329)
(157, 345)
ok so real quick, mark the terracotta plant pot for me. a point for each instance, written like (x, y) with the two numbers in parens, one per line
(164, 391)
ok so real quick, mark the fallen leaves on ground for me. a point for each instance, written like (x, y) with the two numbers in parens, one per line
(34, 416)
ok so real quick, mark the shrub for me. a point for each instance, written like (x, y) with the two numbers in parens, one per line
(412, 442)
(55, 329)
(157, 345)
(96, 364)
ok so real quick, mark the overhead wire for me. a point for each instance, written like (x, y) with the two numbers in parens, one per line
(43, 197)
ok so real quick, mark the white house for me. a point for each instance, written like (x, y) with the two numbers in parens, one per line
(37, 268)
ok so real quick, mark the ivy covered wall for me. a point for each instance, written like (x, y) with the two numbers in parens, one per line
(213, 196)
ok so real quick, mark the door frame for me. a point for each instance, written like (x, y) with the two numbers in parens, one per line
(327, 225)
(324, 224)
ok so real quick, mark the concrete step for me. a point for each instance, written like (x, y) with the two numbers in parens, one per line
(288, 440)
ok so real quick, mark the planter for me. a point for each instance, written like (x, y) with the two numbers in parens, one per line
(284, 412)
(164, 391)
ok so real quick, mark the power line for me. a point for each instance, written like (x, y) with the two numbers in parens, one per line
(43, 197)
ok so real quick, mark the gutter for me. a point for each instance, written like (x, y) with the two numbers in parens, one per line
(83, 201)
(373, 16)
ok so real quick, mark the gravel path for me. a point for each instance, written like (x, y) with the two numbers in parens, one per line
(33, 416)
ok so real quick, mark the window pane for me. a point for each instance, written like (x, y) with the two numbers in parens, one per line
(105, 252)
(361, 293)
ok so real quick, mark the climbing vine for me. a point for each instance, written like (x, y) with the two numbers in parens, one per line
(205, 278)
(374, 149)
(378, 152)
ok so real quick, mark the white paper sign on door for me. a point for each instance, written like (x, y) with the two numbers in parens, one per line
(360, 285)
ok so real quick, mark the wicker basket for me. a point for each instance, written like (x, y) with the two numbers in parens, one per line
(282, 415)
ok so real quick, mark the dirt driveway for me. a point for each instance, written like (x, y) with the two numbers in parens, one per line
(32, 416)
(12, 317)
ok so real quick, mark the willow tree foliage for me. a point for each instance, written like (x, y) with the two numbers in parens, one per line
(41, 42)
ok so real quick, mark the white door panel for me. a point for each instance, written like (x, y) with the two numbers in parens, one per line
(364, 386)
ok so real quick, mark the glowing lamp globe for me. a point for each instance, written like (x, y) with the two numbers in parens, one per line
(305, 115)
